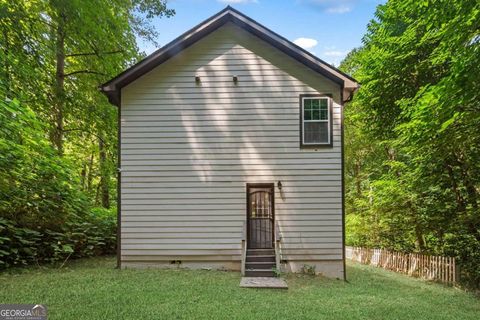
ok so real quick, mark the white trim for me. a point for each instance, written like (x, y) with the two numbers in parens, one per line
(328, 120)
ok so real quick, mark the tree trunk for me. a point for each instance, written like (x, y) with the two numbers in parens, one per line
(420, 243)
(461, 206)
(83, 176)
(470, 187)
(420, 240)
(473, 222)
(6, 49)
(59, 85)
(358, 182)
(90, 174)
(97, 194)
(104, 175)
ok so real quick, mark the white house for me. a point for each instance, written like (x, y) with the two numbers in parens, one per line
(231, 153)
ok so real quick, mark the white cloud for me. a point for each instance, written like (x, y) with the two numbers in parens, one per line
(237, 1)
(339, 9)
(305, 43)
(332, 6)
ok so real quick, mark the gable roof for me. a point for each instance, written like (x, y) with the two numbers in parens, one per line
(112, 87)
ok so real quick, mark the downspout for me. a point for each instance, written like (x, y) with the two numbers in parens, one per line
(343, 182)
(119, 183)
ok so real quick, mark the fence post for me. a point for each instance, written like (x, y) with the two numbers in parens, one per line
(456, 271)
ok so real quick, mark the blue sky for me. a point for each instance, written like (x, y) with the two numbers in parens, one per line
(327, 28)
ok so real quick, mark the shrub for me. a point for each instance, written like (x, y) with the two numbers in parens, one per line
(89, 236)
(44, 216)
(466, 249)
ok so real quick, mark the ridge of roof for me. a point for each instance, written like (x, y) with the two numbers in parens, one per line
(112, 87)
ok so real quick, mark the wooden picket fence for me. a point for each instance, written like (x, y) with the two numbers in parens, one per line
(435, 268)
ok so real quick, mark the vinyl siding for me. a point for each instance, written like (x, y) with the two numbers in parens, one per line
(189, 150)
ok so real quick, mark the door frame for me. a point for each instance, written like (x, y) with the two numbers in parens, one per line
(265, 185)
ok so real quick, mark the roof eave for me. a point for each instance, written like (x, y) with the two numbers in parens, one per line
(169, 50)
(112, 87)
(112, 93)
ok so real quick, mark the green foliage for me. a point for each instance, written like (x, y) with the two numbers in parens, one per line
(276, 272)
(412, 139)
(44, 218)
(54, 54)
(86, 237)
(38, 188)
(57, 132)
(309, 269)
(18, 246)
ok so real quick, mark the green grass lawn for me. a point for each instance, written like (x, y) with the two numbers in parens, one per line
(93, 289)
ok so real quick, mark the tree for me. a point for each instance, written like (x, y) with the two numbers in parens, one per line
(57, 132)
(55, 55)
(412, 130)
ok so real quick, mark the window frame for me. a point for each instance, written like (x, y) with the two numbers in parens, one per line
(315, 145)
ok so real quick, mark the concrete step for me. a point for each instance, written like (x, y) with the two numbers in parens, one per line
(260, 258)
(259, 273)
(260, 265)
(260, 252)
(263, 282)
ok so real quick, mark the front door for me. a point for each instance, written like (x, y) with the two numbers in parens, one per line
(260, 215)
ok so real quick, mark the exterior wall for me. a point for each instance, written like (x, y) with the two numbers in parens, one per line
(189, 150)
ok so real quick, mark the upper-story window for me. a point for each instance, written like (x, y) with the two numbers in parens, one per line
(316, 121)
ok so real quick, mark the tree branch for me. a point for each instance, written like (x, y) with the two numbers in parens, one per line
(95, 53)
(87, 131)
(83, 71)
